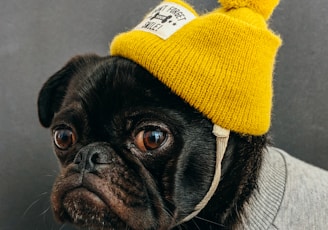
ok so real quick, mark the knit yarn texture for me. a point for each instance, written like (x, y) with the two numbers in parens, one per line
(221, 62)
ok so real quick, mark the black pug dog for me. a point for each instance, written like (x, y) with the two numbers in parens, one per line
(134, 155)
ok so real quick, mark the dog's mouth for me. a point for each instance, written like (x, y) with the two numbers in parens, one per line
(91, 202)
(77, 200)
(85, 208)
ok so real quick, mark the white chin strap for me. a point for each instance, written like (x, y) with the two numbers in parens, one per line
(222, 137)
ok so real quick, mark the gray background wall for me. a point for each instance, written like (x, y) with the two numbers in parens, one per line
(37, 37)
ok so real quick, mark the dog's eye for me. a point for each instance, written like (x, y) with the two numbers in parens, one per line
(150, 140)
(64, 138)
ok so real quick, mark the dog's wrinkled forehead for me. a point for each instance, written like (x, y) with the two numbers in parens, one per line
(117, 82)
(100, 82)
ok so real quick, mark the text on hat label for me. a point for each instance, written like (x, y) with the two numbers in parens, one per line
(166, 19)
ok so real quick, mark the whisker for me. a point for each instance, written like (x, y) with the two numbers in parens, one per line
(44, 212)
(209, 221)
(49, 175)
(195, 223)
(30, 207)
(62, 227)
(52, 174)
(43, 194)
(168, 212)
(40, 197)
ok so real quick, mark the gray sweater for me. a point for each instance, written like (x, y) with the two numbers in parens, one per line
(292, 195)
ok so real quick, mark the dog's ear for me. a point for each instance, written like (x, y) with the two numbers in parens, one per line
(54, 89)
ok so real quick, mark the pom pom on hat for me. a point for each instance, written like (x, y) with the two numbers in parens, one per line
(221, 62)
(263, 7)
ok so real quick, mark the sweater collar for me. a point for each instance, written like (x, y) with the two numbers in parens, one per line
(264, 204)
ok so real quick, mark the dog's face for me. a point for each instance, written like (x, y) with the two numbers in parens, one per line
(132, 154)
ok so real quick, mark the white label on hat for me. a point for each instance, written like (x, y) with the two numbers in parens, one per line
(166, 19)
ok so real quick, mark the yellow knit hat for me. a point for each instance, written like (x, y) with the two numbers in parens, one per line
(221, 62)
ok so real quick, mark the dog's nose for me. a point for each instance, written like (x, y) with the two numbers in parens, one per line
(92, 156)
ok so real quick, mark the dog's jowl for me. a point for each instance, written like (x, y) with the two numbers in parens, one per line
(171, 129)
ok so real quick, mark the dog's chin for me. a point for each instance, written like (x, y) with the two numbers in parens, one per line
(73, 201)
(86, 209)
(91, 202)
